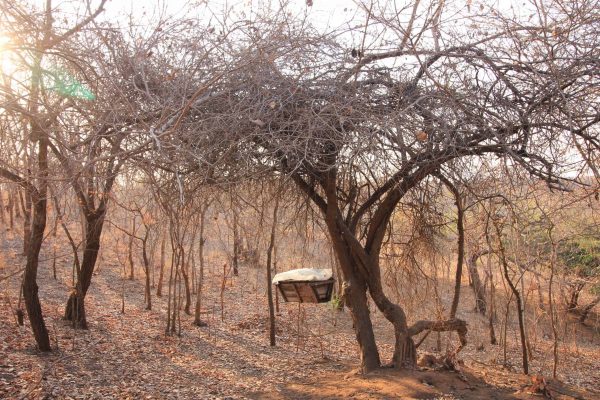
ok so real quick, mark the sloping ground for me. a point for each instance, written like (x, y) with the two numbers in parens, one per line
(389, 384)
(128, 356)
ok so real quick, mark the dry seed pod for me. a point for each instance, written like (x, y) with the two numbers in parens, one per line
(421, 136)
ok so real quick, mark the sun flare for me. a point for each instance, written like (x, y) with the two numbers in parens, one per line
(7, 60)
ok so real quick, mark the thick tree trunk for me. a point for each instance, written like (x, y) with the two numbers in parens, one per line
(30, 287)
(34, 239)
(355, 285)
(355, 294)
(355, 297)
(75, 308)
(405, 352)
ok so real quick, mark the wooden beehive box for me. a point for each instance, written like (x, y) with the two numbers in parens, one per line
(306, 291)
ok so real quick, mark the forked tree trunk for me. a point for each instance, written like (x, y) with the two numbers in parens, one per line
(355, 297)
(405, 351)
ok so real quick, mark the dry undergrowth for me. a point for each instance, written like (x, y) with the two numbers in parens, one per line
(127, 356)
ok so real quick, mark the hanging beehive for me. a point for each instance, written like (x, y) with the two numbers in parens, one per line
(305, 285)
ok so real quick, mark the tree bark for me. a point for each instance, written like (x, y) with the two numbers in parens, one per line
(26, 219)
(2, 218)
(75, 308)
(355, 297)
(161, 273)
(11, 211)
(478, 288)
(30, 287)
(130, 251)
(269, 284)
(146, 269)
(186, 281)
(197, 320)
(236, 243)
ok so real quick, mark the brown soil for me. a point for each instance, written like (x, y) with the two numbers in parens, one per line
(468, 384)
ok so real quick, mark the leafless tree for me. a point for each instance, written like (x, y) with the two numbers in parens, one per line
(428, 96)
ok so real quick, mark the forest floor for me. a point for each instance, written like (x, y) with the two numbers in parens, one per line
(128, 356)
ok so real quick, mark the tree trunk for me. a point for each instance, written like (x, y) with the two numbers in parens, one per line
(355, 294)
(27, 220)
(186, 281)
(130, 251)
(30, 287)
(17, 203)
(147, 270)
(162, 266)
(236, 243)
(269, 284)
(197, 320)
(2, 219)
(461, 254)
(355, 297)
(11, 211)
(405, 352)
(75, 308)
(478, 288)
(170, 306)
(198, 308)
